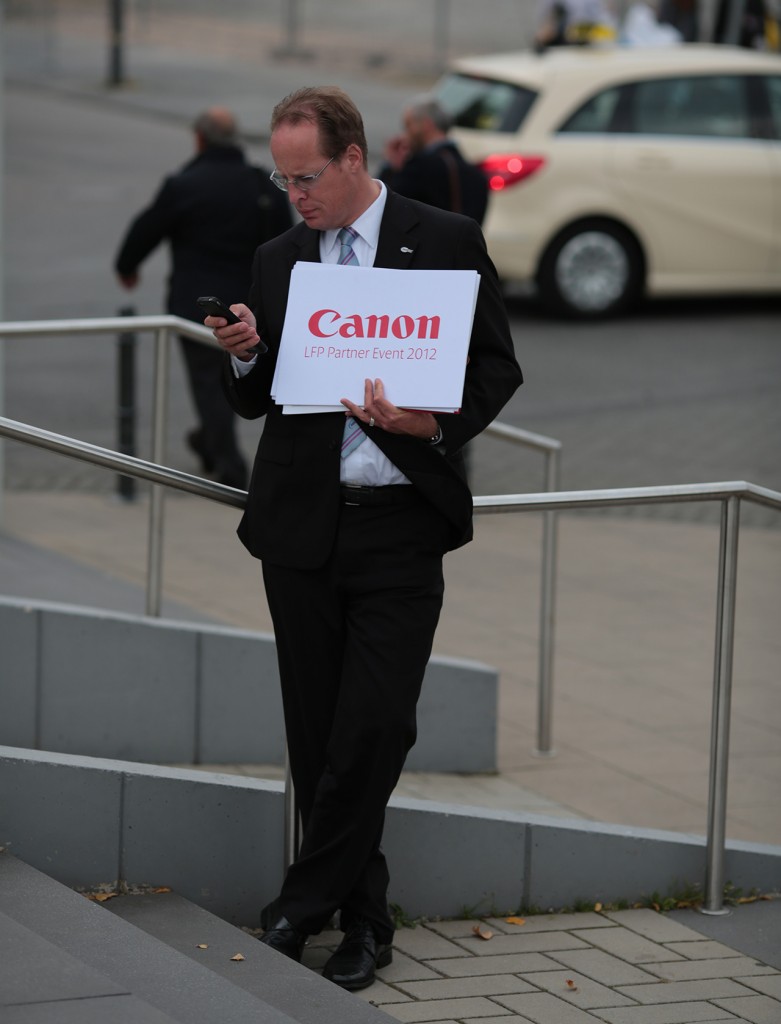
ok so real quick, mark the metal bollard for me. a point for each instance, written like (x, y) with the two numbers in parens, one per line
(126, 403)
(116, 52)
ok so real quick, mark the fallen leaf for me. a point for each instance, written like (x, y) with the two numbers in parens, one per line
(597, 907)
(482, 933)
(101, 897)
(515, 920)
(571, 985)
(238, 956)
(201, 945)
(162, 888)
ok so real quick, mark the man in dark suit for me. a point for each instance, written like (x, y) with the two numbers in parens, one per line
(424, 164)
(352, 538)
(214, 213)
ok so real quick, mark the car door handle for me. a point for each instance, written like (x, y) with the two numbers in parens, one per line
(653, 162)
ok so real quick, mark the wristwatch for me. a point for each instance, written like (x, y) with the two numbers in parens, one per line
(436, 439)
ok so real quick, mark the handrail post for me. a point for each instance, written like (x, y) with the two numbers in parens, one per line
(720, 717)
(547, 614)
(292, 837)
(157, 496)
(126, 403)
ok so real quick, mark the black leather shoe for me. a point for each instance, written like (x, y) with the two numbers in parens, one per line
(286, 939)
(353, 965)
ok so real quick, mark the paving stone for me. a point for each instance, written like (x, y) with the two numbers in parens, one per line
(519, 963)
(627, 946)
(653, 925)
(457, 988)
(535, 943)
(379, 994)
(683, 991)
(507, 1018)
(770, 986)
(602, 967)
(671, 1013)
(705, 949)
(404, 968)
(551, 923)
(542, 1008)
(723, 967)
(444, 1009)
(581, 992)
(757, 1009)
(424, 944)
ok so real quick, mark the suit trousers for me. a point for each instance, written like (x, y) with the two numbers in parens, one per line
(353, 639)
(217, 421)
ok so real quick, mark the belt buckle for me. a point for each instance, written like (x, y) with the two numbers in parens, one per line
(346, 489)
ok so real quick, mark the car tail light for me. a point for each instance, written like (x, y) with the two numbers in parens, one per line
(505, 169)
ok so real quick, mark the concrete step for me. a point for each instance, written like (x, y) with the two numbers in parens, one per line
(291, 988)
(43, 984)
(63, 958)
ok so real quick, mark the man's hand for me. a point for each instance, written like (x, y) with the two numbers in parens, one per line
(396, 151)
(129, 280)
(236, 339)
(377, 411)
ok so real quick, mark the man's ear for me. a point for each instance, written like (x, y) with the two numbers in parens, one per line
(354, 156)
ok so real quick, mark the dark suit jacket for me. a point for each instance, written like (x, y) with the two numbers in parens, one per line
(214, 212)
(294, 502)
(441, 177)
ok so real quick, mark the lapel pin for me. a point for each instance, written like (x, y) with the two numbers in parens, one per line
(405, 249)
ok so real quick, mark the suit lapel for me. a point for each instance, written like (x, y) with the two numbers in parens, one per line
(398, 234)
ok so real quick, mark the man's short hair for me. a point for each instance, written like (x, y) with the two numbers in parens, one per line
(428, 106)
(217, 127)
(330, 109)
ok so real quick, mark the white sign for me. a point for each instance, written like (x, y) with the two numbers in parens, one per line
(409, 328)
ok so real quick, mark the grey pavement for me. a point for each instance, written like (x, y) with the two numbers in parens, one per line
(636, 601)
(149, 957)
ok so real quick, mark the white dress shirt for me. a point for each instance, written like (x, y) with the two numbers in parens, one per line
(367, 465)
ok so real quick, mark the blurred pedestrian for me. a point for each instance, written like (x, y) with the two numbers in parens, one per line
(214, 213)
(682, 15)
(423, 163)
(573, 22)
(758, 28)
(642, 27)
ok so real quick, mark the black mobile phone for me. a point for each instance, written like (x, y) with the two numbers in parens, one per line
(216, 307)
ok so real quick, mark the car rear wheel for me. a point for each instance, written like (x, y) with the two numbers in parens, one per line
(591, 269)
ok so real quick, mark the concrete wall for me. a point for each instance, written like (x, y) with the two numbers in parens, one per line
(111, 685)
(218, 840)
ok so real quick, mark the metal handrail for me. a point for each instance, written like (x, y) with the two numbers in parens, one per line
(730, 494)
(552, 450)
(163, 325)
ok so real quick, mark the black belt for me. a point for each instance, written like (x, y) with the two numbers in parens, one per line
(392, 494)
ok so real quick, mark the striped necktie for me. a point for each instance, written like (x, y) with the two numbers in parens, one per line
(353, 435)
(347, 257)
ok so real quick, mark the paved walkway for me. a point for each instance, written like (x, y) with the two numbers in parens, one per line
(624, 967)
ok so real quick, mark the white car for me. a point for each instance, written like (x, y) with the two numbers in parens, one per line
(617, 172)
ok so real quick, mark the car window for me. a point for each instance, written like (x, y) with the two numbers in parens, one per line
(483, 103)
(596, 114)
(774, 95)
(697, 105)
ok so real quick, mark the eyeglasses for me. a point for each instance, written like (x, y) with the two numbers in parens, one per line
(304, 182)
